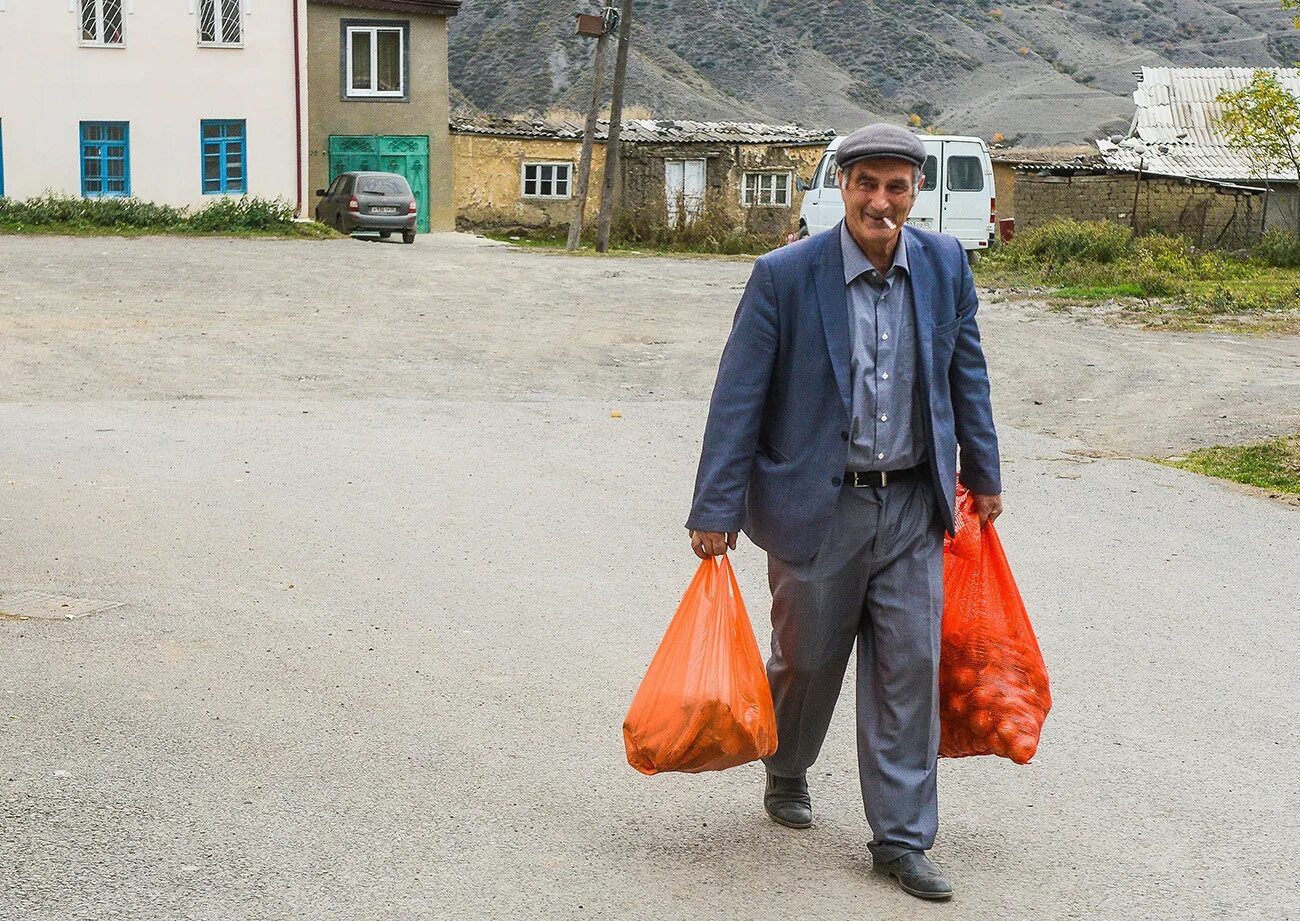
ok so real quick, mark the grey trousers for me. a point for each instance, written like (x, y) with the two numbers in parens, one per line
(876, 580)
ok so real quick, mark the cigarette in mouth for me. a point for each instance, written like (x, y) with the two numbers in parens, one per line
(890, 224)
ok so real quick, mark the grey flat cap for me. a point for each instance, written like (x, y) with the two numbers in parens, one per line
(880, 140)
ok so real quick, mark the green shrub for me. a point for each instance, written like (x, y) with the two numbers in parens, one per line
(1278, 248)
(222, 215)
(1064, 240)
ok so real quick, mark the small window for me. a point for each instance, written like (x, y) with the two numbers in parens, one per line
(547, 180)
(375, 60)
(766, 189)
(930, 174)
(105, 159)
(832, 178)
(965, 174)
(221, 22)
(101, 22)
(225, 156)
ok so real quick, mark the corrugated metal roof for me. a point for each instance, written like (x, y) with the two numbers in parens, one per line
(648, 131)
(1174, 129)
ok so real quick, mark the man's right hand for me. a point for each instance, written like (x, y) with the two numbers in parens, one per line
(707, 544)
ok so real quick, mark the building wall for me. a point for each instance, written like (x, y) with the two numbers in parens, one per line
(161, 82)
(1209, 217)
(1004, 188)
(425, 112)
(488, 174)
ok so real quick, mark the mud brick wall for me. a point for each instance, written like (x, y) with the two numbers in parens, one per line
(1208, 215)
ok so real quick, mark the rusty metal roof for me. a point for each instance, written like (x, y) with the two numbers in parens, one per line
(648, 131)
(1174, 130)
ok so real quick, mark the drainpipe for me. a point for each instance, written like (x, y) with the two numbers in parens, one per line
(297, 109)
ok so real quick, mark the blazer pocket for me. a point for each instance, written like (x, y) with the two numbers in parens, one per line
(772, 453)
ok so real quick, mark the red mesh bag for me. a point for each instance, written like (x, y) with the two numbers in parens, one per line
(993, 693)
(704, 704)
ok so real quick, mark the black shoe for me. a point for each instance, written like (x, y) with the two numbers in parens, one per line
(787, 801)
(918, 876)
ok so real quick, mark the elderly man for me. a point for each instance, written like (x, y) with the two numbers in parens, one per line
(852, 373)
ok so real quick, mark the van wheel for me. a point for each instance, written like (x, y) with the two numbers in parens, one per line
(803, 230)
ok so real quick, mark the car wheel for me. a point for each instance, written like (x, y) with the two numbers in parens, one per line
(803, 230)
(408, 236)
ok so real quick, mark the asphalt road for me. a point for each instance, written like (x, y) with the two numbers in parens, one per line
(387, 584)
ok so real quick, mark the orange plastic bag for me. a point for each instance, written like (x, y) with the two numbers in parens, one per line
(704, 704)
(993, 689)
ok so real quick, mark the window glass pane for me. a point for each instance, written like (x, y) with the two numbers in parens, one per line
(930, 175)
(360, 60)
(207, 20)
(545, 187)
(93, 163)
(965, 174)
(390, 60)
(832, 177)
(230, 22)
(530, 186)
(115, 133)
(89, 21)
(382, 185)
(212, 167)
(112, 23)
(211, 129)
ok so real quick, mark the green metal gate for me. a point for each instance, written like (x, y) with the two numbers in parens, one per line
(407, 155)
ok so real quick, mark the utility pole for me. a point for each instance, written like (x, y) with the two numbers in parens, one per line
(593, 113)
(615, 129)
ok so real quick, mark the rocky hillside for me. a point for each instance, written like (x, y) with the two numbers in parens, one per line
(1037, 73)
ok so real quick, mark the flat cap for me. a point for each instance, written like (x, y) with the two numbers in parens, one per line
(880, 140)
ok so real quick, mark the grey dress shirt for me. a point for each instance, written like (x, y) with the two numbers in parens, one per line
(886, 432)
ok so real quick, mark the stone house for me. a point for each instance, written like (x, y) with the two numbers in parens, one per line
(1175, 133)
(378, 96)
(514, 173)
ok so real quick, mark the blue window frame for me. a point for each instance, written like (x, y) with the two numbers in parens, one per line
(105, 159)
(225, 156)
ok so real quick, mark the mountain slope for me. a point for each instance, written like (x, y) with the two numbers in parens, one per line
(1038, 72)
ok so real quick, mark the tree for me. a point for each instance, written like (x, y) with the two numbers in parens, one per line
(1262, 119)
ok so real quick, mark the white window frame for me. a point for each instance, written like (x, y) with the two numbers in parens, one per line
(219, 21)
(98, 41)
(374, 31)
(756, 200)
(523, 179)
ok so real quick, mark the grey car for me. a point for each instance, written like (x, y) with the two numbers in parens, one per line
(381, 202)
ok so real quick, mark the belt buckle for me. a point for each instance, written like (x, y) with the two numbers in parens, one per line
(884, 478)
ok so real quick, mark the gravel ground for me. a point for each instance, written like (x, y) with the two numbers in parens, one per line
(389, 574)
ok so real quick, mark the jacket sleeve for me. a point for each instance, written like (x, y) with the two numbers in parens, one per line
(736, 409)
(972, 409)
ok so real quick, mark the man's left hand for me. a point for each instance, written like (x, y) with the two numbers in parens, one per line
(987, 507)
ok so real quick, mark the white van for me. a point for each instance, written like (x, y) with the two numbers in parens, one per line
(956, 197)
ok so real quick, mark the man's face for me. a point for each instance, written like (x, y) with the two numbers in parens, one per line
(876, 189)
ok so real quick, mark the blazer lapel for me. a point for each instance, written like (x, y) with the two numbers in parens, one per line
(833, 299)
(921, 275)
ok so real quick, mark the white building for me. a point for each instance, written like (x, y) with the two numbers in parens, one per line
(172, 101)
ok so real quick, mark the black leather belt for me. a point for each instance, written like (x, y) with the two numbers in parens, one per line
(864, 478)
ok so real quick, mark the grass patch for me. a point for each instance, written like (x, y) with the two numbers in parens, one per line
(557, 244)
(71, 216)
(1154, 280)
(1273, 465)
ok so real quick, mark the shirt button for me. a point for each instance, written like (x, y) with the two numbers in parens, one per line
(880, 457)
(884, 376)
(884, 335)
(835, 481)
(884, 417)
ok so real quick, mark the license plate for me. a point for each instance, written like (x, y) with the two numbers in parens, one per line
(921, 221)
(384, 209)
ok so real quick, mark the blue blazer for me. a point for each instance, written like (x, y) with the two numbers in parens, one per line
(776, 443)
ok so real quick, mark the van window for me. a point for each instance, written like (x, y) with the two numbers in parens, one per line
(832, 178)
(965, 174)
(930, 174)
